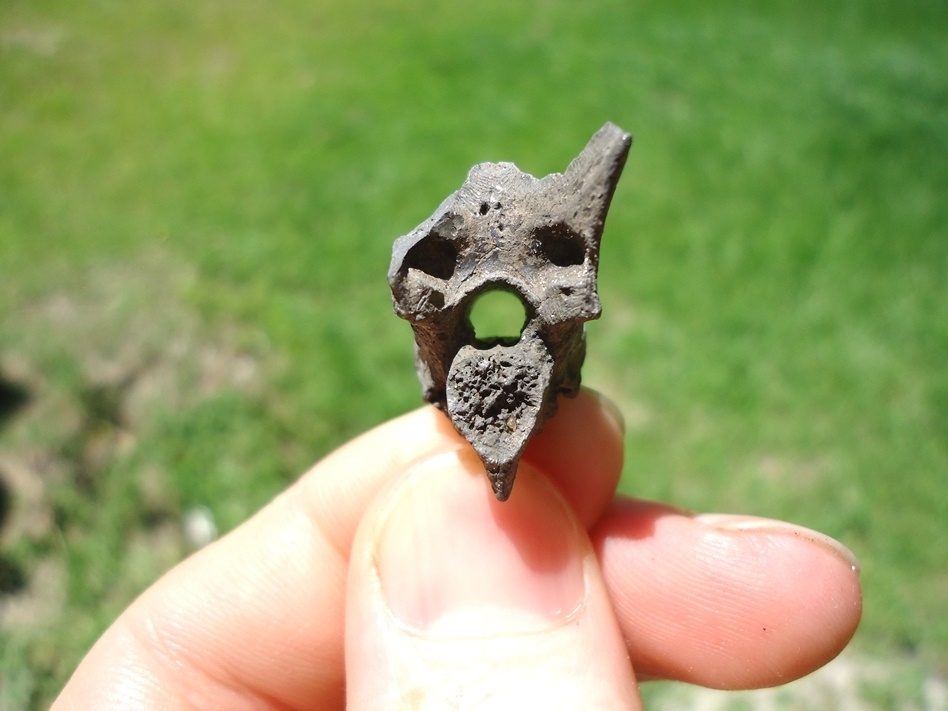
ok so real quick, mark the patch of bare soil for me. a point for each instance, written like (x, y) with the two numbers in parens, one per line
(851, 682)
(83, 370)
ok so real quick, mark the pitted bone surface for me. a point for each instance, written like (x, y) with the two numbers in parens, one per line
(537, 238)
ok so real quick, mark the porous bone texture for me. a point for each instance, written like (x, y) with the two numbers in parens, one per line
(536, 238)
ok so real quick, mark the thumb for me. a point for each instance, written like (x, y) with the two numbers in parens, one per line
(458, 601)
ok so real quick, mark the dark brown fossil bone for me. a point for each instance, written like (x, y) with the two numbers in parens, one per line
(538, 239)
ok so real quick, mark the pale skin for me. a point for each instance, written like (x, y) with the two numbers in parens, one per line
(388, 577)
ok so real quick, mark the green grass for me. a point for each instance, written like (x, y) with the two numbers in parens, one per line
(192, 189)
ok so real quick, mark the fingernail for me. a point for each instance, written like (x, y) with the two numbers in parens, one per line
(611, 409)
(735, 522)
(453, 561)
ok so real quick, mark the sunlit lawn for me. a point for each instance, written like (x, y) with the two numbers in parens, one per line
(198, 201)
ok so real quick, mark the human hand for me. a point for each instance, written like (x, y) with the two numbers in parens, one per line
(388, 576)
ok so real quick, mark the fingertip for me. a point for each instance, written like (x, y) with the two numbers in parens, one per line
(610, 409)
(740, 522)
(453, 595)
(723, 607)
(581, 451)
(445, 544)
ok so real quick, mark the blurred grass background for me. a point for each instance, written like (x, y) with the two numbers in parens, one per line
(198, 202)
